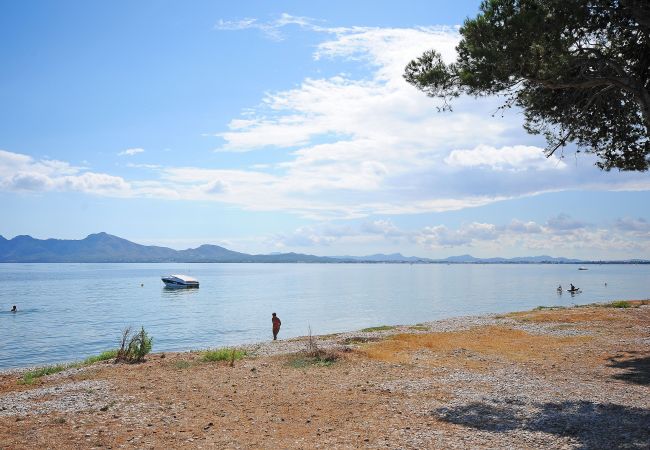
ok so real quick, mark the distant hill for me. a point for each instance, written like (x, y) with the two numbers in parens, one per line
(382, 257)
(517, 260)
(103, 247)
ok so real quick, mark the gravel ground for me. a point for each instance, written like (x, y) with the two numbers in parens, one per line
(577, 378)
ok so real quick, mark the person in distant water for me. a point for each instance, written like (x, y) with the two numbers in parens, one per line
(573, 288)
(559, 288)
(14, 309)
(276, 326)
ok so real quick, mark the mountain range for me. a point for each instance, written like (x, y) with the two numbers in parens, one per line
(103, 248)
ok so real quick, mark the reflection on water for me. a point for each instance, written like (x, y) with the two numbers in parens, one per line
(169, 292)
(70, 311)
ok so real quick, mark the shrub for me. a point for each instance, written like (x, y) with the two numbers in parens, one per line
(133, 348)
(620, 304)
(224, 354)
(312, 355)
(182, 364)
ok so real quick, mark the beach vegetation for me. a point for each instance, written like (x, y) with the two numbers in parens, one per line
(300, 361)
(134, 346)
(103, 356)
(578, 69)
(182, 364)
(620, 304)
(224, 354)
(31, 376)
(542, 308)
(313, 355)
(379, 328)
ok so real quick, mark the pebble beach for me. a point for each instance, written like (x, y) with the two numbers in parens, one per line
(576, 377)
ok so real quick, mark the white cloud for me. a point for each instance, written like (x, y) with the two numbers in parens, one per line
(20, 172)
(131, 152)
(386, 150)
(639, 225)
(272, 29)
(530, 227)
(353, 146)
(564, 223)
(561, 235)
(509, 158)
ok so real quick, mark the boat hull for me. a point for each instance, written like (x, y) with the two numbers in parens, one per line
(176, 283)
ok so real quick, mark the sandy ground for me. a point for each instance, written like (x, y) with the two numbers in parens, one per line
(561, 378)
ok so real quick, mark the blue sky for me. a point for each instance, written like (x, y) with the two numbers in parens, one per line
(281, 126)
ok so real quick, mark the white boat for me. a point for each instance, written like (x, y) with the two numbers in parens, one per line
(180, 281)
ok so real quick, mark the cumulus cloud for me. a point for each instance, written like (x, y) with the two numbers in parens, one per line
(441, 236)
(517, 237)
(510, 158)
(564, 222)
(312, 236)
(530, 227)
(639, 225)
(384, 227)
(23, 173)
(560, 234)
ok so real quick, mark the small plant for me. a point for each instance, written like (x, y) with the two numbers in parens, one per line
(133, 348)
(300, 362)
(313, 355)
(32, 375)
(379, 328)
(620, 304)
(182, 364)
(103, 356)
(224, 354)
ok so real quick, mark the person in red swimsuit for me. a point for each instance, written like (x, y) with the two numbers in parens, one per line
(276, 326)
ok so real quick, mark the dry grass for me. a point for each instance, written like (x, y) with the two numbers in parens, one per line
(606, 312)
(477, 344)
(565, 316)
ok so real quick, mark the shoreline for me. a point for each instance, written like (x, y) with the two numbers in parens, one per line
(293, 344)
(574, 377)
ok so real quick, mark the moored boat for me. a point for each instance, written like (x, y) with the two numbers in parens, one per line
(180, 281)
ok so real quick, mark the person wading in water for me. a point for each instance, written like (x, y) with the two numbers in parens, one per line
(276, 326)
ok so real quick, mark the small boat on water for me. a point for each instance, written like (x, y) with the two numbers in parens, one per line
(180, 281)
(582, 268)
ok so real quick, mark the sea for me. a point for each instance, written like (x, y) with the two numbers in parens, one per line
(67, 312)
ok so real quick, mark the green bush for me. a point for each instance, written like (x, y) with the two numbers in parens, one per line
(133, 348)
(224, 354)
(182, 364)
(620, 304)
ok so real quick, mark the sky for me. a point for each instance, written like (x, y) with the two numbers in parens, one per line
(282, 126)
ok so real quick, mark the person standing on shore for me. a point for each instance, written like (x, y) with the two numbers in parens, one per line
(276, 326)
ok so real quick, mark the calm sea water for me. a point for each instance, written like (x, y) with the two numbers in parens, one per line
(70, 311)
